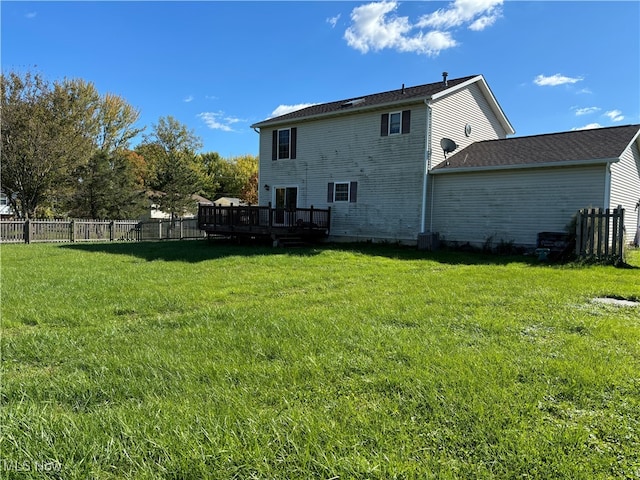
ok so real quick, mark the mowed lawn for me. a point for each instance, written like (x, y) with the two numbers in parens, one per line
(196, 360)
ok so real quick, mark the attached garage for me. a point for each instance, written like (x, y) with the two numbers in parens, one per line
(509, 190)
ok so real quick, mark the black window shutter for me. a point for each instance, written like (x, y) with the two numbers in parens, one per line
(406, 121)
(353, 192)
(330, 193)
(274, 146)
(294, 142)
(384, 125)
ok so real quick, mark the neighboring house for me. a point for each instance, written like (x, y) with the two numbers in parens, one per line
(379, 162)
(5, 208)
(155, 212)
(229, 201)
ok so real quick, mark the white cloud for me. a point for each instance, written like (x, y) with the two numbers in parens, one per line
(586, 111)
(615, 115)
(284, 109)
(483, 22)
(189, 99)
(333, 21)
(480, 14)
(372, 30)
(589, 126)
(375, 26)
(218, 121)
(555, 80)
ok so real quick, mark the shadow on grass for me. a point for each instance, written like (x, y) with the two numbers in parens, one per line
(190, 251)
(193, 251)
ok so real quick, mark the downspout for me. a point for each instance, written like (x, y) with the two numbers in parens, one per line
(427, 166)
(607, 186)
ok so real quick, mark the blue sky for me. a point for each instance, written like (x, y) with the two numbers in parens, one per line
(218, 67)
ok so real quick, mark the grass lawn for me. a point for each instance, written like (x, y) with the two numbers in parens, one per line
(190, 360)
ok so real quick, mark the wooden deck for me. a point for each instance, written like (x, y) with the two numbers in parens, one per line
(253, 221)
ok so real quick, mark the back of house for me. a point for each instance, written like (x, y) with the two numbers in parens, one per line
(367, 157)
(436, 158)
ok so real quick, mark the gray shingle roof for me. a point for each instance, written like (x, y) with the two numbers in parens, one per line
(565, 147)
(393, 96)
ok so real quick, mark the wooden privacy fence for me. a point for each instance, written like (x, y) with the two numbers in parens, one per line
(600, 233)
(77, 230)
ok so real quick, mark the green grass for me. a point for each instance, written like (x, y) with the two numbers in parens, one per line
(190, 360)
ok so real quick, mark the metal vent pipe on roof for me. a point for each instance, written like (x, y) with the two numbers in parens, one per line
(444, 79)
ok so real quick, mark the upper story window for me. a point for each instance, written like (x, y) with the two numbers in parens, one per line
(395, 123)
(284, 144)
(4, 200)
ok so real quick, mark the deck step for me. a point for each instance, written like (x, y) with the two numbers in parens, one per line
(290, 242)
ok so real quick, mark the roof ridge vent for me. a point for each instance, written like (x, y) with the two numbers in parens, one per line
(352, 103)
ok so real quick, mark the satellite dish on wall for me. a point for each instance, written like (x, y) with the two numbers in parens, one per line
(448, 146)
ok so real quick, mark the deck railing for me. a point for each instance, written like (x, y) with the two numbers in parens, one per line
(264, 218)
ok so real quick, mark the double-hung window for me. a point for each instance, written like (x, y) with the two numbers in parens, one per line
(284, 144)
(395, 123)
(342, 192)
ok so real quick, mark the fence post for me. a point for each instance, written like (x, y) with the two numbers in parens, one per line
(181, 229)
(579, 233)
(607, 233)
(621, 233)
(112, 227)
(27, 231)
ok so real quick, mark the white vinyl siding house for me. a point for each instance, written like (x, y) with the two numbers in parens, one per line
(625, 188)
(452, 112)
(380, 146)
(377, 162)
(489, 207)
(350, 149)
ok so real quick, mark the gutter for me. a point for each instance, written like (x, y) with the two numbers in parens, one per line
(524, 166)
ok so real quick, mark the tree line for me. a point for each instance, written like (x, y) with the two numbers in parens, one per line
(67, 152)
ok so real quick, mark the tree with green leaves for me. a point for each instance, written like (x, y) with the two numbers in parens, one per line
(109, 188)
(175, 173)
(116, 124)
(247, 176)
(48, 131)
(237, 177)
(109, 185)
(53, 134)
